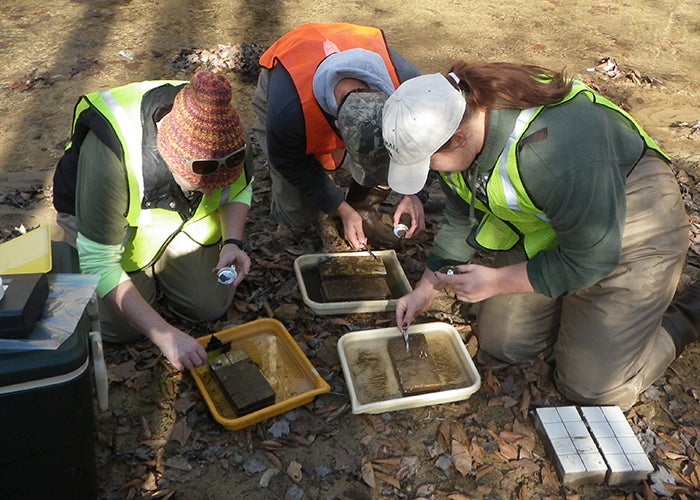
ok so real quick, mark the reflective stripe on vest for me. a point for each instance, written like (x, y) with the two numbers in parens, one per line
(121, 107)
(510, 196)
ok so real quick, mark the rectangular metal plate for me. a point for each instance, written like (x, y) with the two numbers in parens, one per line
(241, 380)
(414, 368)
(351, 289)
(351, 265)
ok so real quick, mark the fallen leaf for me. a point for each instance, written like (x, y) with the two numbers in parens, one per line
(266, 476)
(294, 471)
(408, 467)
(375, 422)
(181, 432)
(274, 459)
(254, 466)
(670, 455)
(490, 382)
(524, 406)
(340, 322)
(344, 461)
(461, 458)
(435, 449)
(507, 450)
(338, 412)
(183, 404)
(149, 484)
(459, 434)
(271, 445)
(443, 434)
(549, 478)
(525, 466)
(388, 479)
(179, 463)
(510, 437)
(443, 462)
(367, 471)
(386, 464)
(425, 490)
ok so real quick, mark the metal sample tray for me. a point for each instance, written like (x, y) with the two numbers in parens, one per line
(371, 378)
(281, 361)
(306, 268)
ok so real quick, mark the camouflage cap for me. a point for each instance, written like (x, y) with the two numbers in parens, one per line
(360, 125)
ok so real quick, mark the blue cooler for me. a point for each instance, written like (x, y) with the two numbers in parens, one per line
(46, 398)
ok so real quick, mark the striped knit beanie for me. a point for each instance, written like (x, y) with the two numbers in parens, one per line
(202, 124)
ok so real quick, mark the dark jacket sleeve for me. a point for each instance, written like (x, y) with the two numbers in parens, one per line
(404, 69)
(286, 144)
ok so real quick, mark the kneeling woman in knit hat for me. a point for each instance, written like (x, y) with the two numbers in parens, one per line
(155, 187)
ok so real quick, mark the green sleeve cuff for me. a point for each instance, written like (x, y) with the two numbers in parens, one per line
(245, 195)
(103, 261)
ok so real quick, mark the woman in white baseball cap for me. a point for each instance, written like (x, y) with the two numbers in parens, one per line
(580, 208)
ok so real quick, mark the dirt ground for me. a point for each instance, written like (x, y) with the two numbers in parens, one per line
(158, 440)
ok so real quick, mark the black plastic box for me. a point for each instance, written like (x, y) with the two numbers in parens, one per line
(47, 421)
(22, 304)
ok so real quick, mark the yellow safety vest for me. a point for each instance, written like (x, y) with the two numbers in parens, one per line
(510, 212)
(151, 228)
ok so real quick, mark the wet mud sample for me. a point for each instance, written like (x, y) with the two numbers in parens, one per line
(414, 368)
(349, 278)
(349, 289)
(242, 382)
(351, 266)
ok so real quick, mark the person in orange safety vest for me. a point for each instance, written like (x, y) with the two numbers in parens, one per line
(318, 107)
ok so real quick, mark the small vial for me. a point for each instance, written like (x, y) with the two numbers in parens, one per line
(400, 231)
(449, 270)
(226, 275)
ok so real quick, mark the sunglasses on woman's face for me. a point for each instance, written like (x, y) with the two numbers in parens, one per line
(208, 166)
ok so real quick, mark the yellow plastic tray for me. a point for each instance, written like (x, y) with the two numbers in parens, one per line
(281, 361)
(27, 254)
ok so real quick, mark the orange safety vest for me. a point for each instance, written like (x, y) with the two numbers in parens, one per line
(300, 52)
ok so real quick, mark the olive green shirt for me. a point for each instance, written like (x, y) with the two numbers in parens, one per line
(575, 173)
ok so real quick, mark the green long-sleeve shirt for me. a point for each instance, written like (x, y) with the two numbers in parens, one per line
(575, 173)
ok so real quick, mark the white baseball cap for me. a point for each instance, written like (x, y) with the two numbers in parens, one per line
(418, 118)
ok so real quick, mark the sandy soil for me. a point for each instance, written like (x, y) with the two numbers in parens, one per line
(157, 439)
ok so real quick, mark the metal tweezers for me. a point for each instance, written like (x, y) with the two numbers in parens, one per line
(367, 249)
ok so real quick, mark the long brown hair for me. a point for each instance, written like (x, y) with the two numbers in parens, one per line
(501, 85)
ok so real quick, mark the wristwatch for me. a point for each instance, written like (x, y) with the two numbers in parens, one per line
(423, 196)
(236, 242)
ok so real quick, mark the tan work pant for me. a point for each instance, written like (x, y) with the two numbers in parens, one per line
(606, 341)
(183, 273)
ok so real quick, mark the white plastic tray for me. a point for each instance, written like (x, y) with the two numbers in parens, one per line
(370, 376)
(306, 270)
